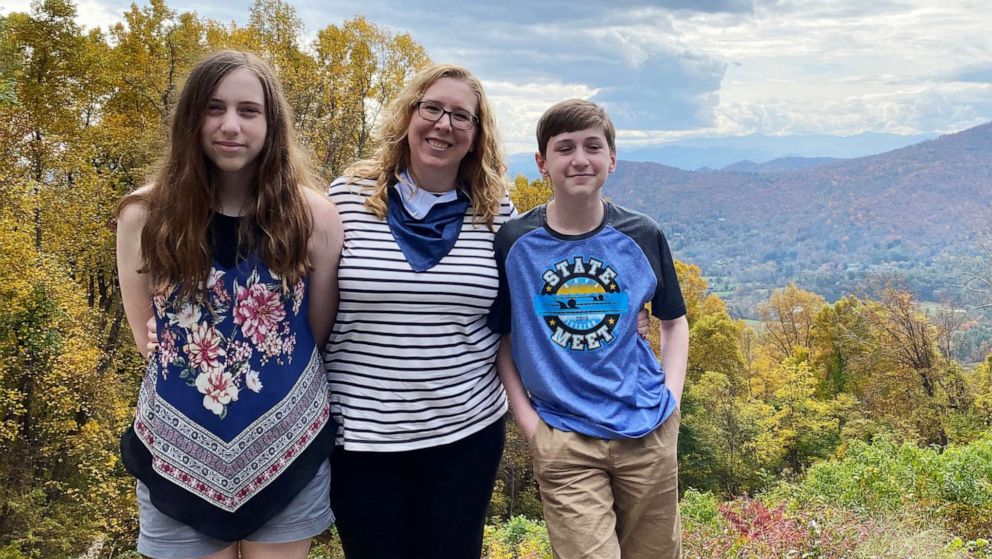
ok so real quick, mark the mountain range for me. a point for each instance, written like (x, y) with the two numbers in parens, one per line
(720, 152)
(825, 223)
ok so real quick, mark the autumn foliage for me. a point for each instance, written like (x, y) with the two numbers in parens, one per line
(825, 429)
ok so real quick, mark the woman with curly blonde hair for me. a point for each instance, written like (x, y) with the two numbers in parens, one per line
(410, 360)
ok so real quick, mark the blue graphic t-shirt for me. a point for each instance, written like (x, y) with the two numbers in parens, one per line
(570, 304)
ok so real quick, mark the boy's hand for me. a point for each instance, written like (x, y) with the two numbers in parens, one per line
(527, 423)
(152, 335)
(643, 323)
(523, 411)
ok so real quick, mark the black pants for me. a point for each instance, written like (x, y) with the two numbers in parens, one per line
(418, 504)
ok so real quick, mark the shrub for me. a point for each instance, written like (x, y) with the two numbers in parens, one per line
(883, 478)
(699, 508)
(518, 538)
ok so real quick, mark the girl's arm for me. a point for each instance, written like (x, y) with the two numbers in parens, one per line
(324, 250)
(135, 292)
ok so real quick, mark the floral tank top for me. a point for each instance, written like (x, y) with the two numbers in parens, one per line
(233, 415)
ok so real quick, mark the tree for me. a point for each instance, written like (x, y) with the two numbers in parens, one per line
(360, 67)
(516, 490)
(806, 427)
(981, 386)
(714, 346)
(788, 316)
(977, 280)
(733, 451)
(530, 194)
(154, 49)
(694, 289)
(46, 75)
(59, 413)
(908, 339)
(844, 347)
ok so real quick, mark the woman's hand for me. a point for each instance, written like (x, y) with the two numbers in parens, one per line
(152, 328)
(643, 323)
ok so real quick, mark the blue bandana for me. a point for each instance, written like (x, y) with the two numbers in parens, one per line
(426, 241)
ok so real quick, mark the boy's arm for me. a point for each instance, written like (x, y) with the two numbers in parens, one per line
(675, 354)
(523, 411)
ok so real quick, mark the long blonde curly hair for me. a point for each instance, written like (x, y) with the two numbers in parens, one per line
(483, 169)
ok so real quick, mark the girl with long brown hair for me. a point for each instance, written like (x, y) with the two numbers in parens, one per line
(234, 256)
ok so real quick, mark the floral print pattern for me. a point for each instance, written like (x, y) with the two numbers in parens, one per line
(219, 359)
(218, 390)
(258, 310)
(204, 347)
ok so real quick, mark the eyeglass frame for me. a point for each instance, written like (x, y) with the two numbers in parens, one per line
(473, 122)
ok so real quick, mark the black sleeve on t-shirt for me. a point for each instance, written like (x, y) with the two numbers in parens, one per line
(499, 313)
(667, 303)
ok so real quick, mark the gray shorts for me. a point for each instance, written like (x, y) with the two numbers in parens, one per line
(308, 514)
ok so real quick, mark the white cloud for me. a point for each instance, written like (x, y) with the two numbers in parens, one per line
(849, 67)
(519, 106)
(15, 6)
(94, 13)
(679, 68)
(89, 13)
(926, 108)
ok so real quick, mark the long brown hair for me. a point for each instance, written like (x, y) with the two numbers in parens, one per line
(483, 168)
(174, 244)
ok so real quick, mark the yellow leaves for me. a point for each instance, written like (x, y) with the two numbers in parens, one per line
(357, 68)
(529, 194)
(694, 288)
(980, 384)
(713, 346)
(17, 262)
(12, 404)
(518, 538)
(788, 316)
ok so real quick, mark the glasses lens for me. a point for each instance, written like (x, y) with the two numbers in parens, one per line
(463, 120)
(431, 112)
(459, 119)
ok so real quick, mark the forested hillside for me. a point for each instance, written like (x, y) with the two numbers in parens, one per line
(840, 429)
(915, 211)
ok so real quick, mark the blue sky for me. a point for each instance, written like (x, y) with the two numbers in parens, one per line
(674, 69)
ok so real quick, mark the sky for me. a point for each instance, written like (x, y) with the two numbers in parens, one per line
(674, 69)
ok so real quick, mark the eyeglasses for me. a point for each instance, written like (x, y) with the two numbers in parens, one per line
(433, 112)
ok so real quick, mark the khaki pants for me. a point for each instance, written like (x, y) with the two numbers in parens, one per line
(610, 499)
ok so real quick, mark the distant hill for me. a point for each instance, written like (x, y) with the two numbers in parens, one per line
(826, 225)
(777, 165)
(717, 153)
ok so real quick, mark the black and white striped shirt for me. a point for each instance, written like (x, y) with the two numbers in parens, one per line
(411, 360)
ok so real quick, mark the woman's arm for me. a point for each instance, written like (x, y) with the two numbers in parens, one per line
(324, 250)
(135, 291)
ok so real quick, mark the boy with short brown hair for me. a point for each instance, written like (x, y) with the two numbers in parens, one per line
(599, 411)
